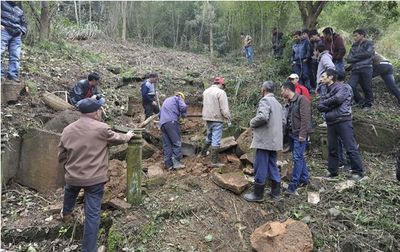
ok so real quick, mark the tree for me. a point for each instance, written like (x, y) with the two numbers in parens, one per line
(124, 10)
(43, 21)
(310, 11)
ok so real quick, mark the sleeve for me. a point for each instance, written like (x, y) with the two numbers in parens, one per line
(368, 52)
(62, 154)
(327, 63)
(114, 138)
(78, 93)
(182, 107)
(262, 115)
(145, 94)
(341, 49)
(335, 100)
(224, 105)
(305, 116)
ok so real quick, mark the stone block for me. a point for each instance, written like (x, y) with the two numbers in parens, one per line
(232, 181)
(227, 143)
(244, 142)
(10, 156)
(39, 168)
(62, 120)
(10, 92)
(118, 204)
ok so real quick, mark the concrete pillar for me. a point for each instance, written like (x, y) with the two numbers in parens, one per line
(134, 169)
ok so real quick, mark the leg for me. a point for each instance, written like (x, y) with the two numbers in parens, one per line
(297, 69)
(147, 110)
(156, 109)
(298, 159)
(353, 82)
(5, 38)
(216, 137)
(70, 195)
(14, 49)
(390, 82)
(333, 161)
(340, 152)
(261, 166)
(93, 196)
(167, 146)
(306, 76)
(366, 85)
(174, 135)
(273, 169)
(345, 131)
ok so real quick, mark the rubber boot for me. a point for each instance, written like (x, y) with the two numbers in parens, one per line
(176, 164)
(275, 190)
(204, 149)
(257, 195)
(215, 157)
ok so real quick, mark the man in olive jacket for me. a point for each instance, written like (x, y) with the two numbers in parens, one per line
(267, 140)
(83, 153)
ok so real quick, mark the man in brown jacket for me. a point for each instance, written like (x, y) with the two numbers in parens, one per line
(215, 111)
(298, 124)
(83, 153)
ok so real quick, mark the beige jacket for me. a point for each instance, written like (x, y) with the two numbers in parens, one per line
(83, 151)
(215, 105)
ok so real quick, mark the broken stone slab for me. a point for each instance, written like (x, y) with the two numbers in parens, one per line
(55, 209)
(248, 158)
(248, 170)
(10, 156)
(244, 142)
(62, 120)
(227, 143)
(156, 170)
(189, 149)
(232, 181)
(118, 204)
(119, 151)
(290, 236)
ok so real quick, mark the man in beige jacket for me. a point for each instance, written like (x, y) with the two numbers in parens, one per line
(83, 153)
(215, 111)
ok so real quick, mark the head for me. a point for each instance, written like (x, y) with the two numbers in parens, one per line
(242, 35)
(359, 35)
(220, 81)
(287, 90)
(91, 107)
(294, 78)
(329, 77)
(268, 87)
(297, 35)
(314, 35)
(180, 94)
(320, 48)
(94, 79)
(305, 33)
(341, 76)
(153, 77)
(328, 33)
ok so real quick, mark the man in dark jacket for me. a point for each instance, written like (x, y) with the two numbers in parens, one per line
(381, 66)
(149, 95)
(84, 89)
(334, 43)
(360, 58)
(299, 125)
(315, 39)
(337, 107)
(301, 55)
(13, 27)
(277, 43)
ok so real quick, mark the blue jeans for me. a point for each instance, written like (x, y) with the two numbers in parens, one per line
(249, 54)
(265, 166)
(171, 139)
(300, 170)
(214, 133)
(13, 44)
(302, 69)
(386, 73)
(93, 197)
(339, 65)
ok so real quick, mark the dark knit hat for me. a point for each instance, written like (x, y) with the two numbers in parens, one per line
(89, 105)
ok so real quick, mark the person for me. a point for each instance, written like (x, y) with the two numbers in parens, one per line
(267, 140)
(215, 111)
(299, 89)
(277, 43)
(334, 43)
(315, 39)
(85, 89)
(83, 153)
(149, 95)
(13, 27)
(381, 66)
(172, 109)
(248, 47)
(299, 126)
(300, 57)
(325, 61)
(337, 107)
(360, 58)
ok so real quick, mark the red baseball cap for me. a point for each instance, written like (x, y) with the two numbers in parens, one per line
(219, 80)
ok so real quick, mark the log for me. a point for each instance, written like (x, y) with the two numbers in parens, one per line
(147, 121)
(55, 102)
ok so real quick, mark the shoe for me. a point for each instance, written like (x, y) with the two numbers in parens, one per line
(275, 190)
(204, 149)
(289, 193)
(304, 184)
(367, 109)
(331, 176)
(323, 125)
(15, 79)
(215, 158)
(177, 164)
(66, 217)
(356, 177)
(257, 195)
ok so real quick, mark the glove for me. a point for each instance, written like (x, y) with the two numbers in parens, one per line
(181, 121)
(229, 124)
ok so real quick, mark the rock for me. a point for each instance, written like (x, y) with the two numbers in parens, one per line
(10, 92)
(227, 143)
(285, 168)
(248, 158)
(248, 170)
(114, 69)
(156, 170)
(244, 142)
(334, 212)
(10, 156)
(55, 209)
(118, 204)
(232, 181)
(289, 236)
(345, 185)
(313, 197)
(62, 120)
(233, 161)
(188, 149)
(119, 151)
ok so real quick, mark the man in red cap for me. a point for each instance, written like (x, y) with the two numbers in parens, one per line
(215, 112)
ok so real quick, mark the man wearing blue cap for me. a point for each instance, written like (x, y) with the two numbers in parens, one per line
(83, 153)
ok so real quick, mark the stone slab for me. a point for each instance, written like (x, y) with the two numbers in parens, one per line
(232, 181)
(10, 156)
(227, 143)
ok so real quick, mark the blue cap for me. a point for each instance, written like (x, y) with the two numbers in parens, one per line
(89, 105)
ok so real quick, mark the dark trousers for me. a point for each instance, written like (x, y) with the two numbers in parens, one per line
(150, 109)
(313, 76)
(364, 77)
(265, 166)
(300, 170)
(386, 73)
(171, 139)
(344, 130)
(93, 196)
(303, 71)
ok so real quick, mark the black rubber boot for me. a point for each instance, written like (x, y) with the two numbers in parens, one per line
(215, 157)
(275, 190)
(204, 149)
(257, 195)
(177, 164)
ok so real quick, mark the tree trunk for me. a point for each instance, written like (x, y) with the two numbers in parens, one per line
(44, 30)
(90, 11)
(76, 13)
(124, 12)
(310, 11)
(211, 42)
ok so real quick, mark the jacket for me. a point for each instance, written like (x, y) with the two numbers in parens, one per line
(13, 19)
(301, 50)
(335, 46)
(325, 63)
(299, 116)
(81, 90)
(172, 108)
(148, 92)
(336, 103)
(215, 105)
(302, 90)
(83, 151)
(378, 59)
(361, 54)
(267, 125)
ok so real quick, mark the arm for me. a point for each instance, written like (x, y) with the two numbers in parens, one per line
(62, 154)
(262, 115)
(145, 94)
(335, 100)
(78, 93)
(305, 117)
(182, 107)
(365, 54)
(224, 105)
(327, 62)
(24, 25)
(114, 138)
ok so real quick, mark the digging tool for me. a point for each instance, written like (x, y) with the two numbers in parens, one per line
(148, 120)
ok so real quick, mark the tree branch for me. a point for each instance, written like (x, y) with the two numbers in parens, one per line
(34, 12)
(303, 11)
(318, 7)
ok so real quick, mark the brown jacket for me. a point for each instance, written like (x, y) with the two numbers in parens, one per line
(83, 151)
(300, 116)
(215, 105)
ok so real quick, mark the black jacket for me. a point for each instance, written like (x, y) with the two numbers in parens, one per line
(336, 103)
(361, 54)
(13, 18)
(82, 90)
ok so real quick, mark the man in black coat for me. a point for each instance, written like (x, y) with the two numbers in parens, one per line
(84, 89)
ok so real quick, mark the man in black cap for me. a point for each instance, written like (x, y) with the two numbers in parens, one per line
(83, 153)
(85, 89)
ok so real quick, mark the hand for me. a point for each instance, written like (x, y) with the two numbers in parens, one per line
(229, 124)
(302, 139)
(130, 134)
(305, 60)
(154, 103)
(2, 28)
(93, 97)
